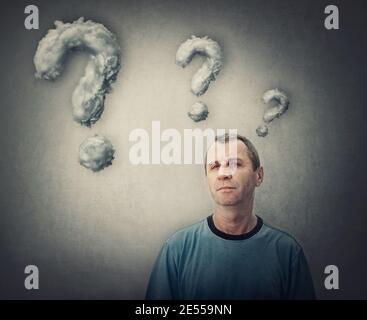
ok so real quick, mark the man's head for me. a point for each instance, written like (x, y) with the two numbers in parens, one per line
(233, 170)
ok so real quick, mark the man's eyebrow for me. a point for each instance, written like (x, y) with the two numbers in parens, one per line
(212, 162)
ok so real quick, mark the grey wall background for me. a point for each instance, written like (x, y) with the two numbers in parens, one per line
(97, 235)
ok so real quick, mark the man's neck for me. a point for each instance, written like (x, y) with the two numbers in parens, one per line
(234, 220)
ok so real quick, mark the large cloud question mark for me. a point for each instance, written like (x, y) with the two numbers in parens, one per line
(282, 104)
(101, 71)
(207, 72)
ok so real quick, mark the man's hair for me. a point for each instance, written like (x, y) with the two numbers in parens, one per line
(251, 150)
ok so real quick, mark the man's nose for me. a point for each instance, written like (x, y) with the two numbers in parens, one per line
(224, 172)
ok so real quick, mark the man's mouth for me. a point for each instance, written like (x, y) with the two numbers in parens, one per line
(225, 188)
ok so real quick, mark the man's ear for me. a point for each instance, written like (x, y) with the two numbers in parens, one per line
(259, 176)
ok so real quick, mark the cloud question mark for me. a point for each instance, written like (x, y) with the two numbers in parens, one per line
(104, 63)
(282, 104)
(207, 72)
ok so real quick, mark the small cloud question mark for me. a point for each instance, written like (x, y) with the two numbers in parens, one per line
(207, 72)
(101, 71)
(282, 104)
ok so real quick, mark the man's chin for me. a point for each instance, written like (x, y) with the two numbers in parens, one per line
(228, 202)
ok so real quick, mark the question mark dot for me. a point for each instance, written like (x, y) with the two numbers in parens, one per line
(199, 111)
(96, 153)
(262, 131)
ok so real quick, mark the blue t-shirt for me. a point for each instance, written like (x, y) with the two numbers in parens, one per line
(202, 262)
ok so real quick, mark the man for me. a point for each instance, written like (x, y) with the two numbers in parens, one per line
(232, 254)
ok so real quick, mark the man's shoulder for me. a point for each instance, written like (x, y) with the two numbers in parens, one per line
(280, 237)
(186, 233)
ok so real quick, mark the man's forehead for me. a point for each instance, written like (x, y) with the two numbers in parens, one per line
(231, 149)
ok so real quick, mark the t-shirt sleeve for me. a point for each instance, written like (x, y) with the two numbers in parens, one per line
(301, 284)
(163, 282)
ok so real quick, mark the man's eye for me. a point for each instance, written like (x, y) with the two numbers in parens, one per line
(214, 166)
(234, 163)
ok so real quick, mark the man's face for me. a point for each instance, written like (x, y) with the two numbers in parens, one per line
(230, 174)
